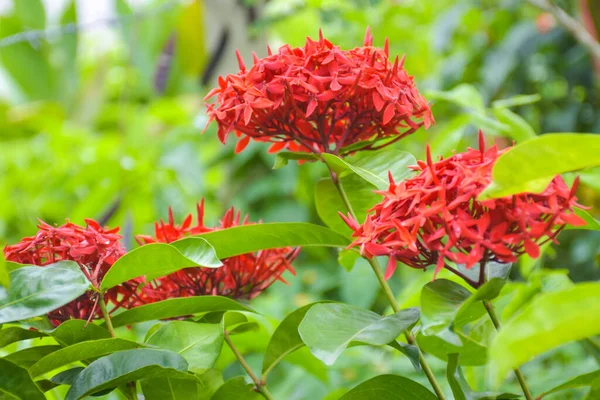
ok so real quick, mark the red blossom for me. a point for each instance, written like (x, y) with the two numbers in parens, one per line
(243, 276)
(92, 247)
(319, 98)
(435, 217)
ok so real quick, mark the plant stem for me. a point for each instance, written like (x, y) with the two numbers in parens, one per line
(106, 316)
(490, 309)
(389, 293)
(132, 390)
(570, 24)
(260, 385)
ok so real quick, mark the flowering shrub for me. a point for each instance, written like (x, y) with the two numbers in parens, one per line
(320, 99)
(465, 214)
(93, 248)
(436, 217)
(244, 276)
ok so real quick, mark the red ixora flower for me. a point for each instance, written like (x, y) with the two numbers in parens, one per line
(435, 217)
(92, 247)
(320, 99)
(244, 276)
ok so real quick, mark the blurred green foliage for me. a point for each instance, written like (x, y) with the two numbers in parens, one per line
(91, 129)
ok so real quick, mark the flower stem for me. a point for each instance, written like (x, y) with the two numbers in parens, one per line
(490, 309)
(261, 386)
(106, 316)
(389, 293)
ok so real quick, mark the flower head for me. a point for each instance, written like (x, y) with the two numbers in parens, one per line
(435, 217)
(93, 248)
(319, 99)
(243, 276)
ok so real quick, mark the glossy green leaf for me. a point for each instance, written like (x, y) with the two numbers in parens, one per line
(31, 13)
(176, 307)
(36, 291)
(180, 389)
(250, 238)
(577, 382)
(592, 224)
(328, 202)
(12, 334)
(283, 157)
(471, 351)
(127, 366)
(16, 383)
(160, 259)
(80, 351)
(461, 389)
(463, 95)
(520, 100)
(199, 344)
(373, 167)
(4, 275)
(450, 136)
(389, 387)
(66, 377)
(550, 320)
(328, 329)
(285, 339)
(519, 130)
(469, 311)
(27, 357)
(236, 388)
(348, 258)
(76, 331)
(539, 160)
(441, 300)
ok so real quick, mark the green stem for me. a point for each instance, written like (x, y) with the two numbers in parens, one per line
(261, 386)
(132, 390)
(390, 294)
(106, 316)
(490, 309)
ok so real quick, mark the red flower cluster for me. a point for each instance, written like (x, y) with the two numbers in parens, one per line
(320, 99)
(435, 217)
(92, 247)
(243, 276)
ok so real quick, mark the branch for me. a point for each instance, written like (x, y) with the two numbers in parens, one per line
(571, 25)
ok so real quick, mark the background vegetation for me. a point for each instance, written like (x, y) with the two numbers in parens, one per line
(103, 119)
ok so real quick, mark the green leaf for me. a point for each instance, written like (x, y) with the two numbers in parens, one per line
(441, 301)
(471, 351)
(463, 95)
(76, 331)
(461, 389)
(177, 307)
(347, 258)
(38, 290)
(169, 389)
(191, 51)
(282, 158)
(14, 334)
(4, 275)
(549, 320)
(469, 311)
(520, 100)
(328, 202)
(539, 160)
(66, 377)
(236, 388)
(389, 387)
(80, 351)
(328, 329)
(373, 167)
(519, 130)
(584, 380)
(27, 357)
(250, 238)
(127, 366)
(199, 344)
(450, 136)
(285, 339)
(160, 259)
(16, 383)
(592, 224)
(31, 13)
